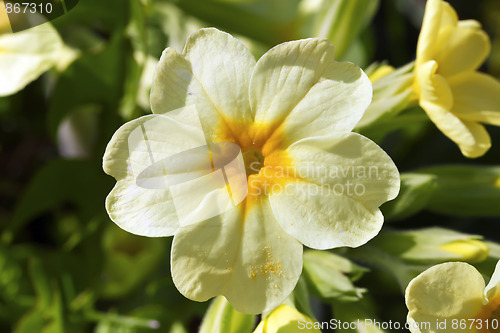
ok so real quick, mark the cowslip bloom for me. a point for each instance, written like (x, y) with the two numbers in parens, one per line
(452, 297)
(455, 96)
(308, 179)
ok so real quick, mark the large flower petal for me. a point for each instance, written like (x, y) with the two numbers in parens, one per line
(436, 99)
(298, 90)
(322, 217)
(213, 73)
(476, 97)
(462, 48)
(446, 291)
(25, 55)
(141, 202)
(242, 254)
(141, 211)
(438, 15)
(351, 161)
(146, 140)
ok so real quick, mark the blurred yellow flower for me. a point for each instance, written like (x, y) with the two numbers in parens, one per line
(310, 179)
(26, 55)
(452, 297)
(285, 319)
(4, 19)
(455, 96)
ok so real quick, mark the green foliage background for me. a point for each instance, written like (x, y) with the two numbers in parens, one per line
(65, 267)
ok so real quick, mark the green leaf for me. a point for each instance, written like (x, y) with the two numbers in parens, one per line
(362, 312)
(47, 315)
(340, 21)
(411, 122)
(129, 260)
(414, 195)
(15, 287)
(81, 183)
(301, 298)
(330, 276)
(270, 21)
(135, 64)
(90, 80)
(109, 15)
(112, 323)
(372, 256)
(465, 190)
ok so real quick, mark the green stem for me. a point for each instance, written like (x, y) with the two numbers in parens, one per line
(96, 316)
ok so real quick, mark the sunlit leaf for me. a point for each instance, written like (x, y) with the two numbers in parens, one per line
(330, 276)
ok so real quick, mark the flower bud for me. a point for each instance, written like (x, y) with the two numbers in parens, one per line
(380, 71)
(471, 250)
(286, 319)
(392, 93)
(221, 317)
(432, 245)
(465, 190)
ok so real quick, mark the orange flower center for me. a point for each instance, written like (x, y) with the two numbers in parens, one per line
(268, 166)
(489, 317)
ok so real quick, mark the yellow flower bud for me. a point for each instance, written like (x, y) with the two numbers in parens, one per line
(380, 72)
(430, 245)
(285, 319)
(471, 250)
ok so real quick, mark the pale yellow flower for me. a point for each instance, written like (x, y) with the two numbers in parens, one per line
(286, 319)
(26, 55)
(294, 109)
(455, 96)
(452, 297)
